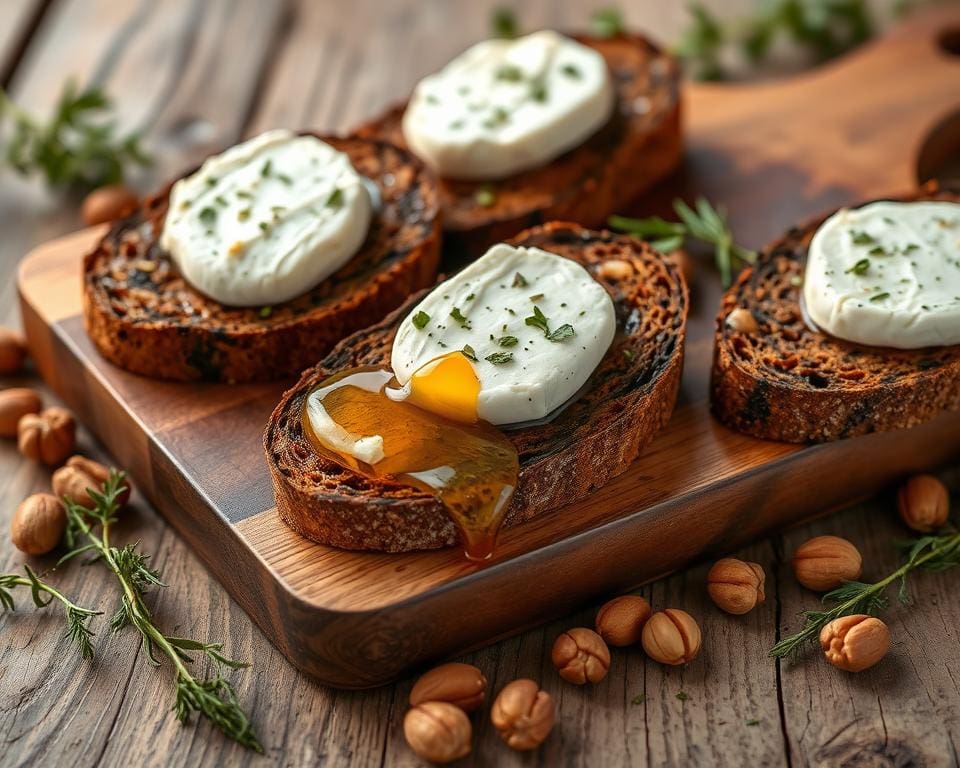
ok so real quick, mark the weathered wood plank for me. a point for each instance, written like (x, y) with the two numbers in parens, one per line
(17, 17)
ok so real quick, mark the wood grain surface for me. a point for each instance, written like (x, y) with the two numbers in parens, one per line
(55, 709)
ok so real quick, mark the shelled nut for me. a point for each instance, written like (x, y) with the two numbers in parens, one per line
(13, 351)
(742, 321)
(672, 637)
(48, 436)
(79, 474)
(581, 656)
(523, 714)
(923, 503)
(15, 403)
(38, 524)
(825, 562)
(620, 621)
(462, 685)
(854, 643)
(109, 203)
(438, 731)
(736, 586)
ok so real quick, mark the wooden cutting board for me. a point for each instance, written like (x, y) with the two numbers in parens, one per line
(773, 154)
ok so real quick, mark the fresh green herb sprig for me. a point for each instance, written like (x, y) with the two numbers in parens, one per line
(77, 149)
(212, 697)
(503, 23)
(704, 223)
(928, 553)
(43, 594)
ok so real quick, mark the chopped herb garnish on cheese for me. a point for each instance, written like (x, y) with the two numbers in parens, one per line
(457, 315)
(420, 320)
(499, 358)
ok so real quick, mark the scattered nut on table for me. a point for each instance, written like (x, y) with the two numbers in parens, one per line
(523, 714)
(49, 436)
(854, 643)
(736, 586)
(13, 350)
(438, 731)
(38, 524)
(80, 474)
(581, 656)
(15, 403)
(825, 562)
(462, 685)
(108, 203)
(672, 637)
(620, 621)
(923, 503)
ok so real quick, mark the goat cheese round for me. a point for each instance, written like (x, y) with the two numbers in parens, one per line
(887, 275)
(535, 325)
(504, 106)
(267, 220)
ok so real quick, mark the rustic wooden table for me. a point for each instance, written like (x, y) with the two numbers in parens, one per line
(197, 75)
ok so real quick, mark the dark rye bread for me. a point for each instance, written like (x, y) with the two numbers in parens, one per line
(788, 382)
(143, 316)
(641, 144)
(626, 401)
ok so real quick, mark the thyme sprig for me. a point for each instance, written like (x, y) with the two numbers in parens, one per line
(77, 149)
(928, 553)
(212, 697)
(704, 223)
(44, 593)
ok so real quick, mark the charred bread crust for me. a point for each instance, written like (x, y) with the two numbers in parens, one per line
(143, 316)
(627, 400)
(641, 144)
(787, 382)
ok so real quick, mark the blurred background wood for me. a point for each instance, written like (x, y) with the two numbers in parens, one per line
(196, 75)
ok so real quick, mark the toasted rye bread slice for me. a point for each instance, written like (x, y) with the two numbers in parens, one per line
(641, 144)
(788, 382)
(626, 401)
(143, 316)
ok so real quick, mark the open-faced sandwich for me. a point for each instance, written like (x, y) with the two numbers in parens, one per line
(517, 386)
(255, 265)
(846, 326)
(541, 127)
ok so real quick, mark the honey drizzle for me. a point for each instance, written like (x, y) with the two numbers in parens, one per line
(471, 469)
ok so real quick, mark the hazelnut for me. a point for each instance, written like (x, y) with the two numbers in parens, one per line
(108, 203)
(15, 404)
(38, 524)
(825, 562)
(438, 731)
(581, 656)
(923, 503)
(854, 643)
(80, 473)
(615, 269)
(522, 714)
(462, 685)
(735, 586)
(48, 436)
(13, 350)
(672, 637)
(742, 321)
(620, 621)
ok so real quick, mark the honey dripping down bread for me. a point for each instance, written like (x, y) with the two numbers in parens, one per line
(781, 380)
(629, 397)
(641, 144)
(143, 316)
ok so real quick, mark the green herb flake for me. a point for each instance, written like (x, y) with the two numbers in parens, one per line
(536, 297)
(753, 722)
(285, 179)
(538, 320)
(683, 696)
(485, 196)
(457, 315)
(510, 73)
(606, 22)
(859, 237)
(538, 91)
(420, 320)
(244, 195)
(265, 170)
(208, 216)
(468, 352)
(471, 297)
(243, 215)
(877, 250)
(508, 341)
(265, 312)
(572, 71)
(336, 199)
(860, 268)
(519, 281)
(639, 699)
(880, 296)
(565, 331)
(499, 358)
(503, 23)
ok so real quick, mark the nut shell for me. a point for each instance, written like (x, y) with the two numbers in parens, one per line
(38, 524)
(620, 621)
(672, 637)
(855, 643)
(462, 685)
(15, 403)
(736, 586)
(581, 656)
(13, 351)
(523, 714)
(438, 731)
(49, 436)
(825, 562)
(108, 203)
(923, 503)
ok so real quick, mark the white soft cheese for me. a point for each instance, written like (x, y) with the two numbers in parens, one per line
(493, 297)
(504, 106)
(887, 275)
(267, 220)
